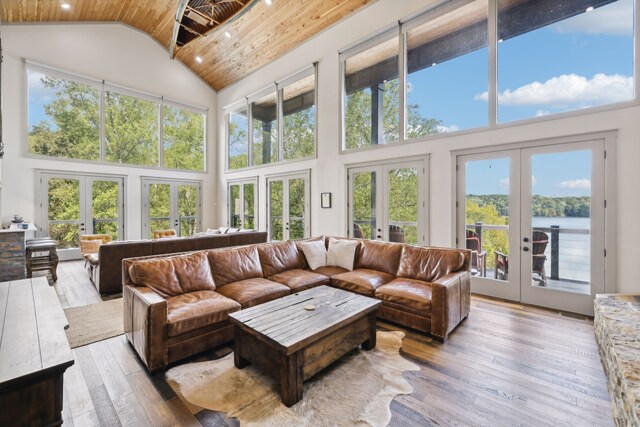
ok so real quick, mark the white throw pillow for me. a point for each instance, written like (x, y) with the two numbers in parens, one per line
(342, 253)
(213, 231)
(232, 230)
(223, 230)
(315, 253)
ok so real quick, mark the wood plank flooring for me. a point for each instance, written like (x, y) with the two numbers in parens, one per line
(506, 365)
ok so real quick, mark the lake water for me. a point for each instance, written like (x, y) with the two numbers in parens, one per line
(574, 249)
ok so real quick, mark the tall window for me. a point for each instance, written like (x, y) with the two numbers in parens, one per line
(276, 124)
(183, 134)
(238, 138)
(243, 202)
(77, 118)
(567, 57)
(466, 64)
(372, 101)
(299, 118)
(131, 129)
(64, 116)
(447, 65)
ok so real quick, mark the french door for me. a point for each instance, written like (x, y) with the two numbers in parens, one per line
(171, 205)
(242, 204)
(534, 219)
(288, 207)
(387, 202)
(75, 205)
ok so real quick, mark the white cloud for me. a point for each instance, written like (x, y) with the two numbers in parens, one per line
(613, 19)
(569, 89)
(583, 184)
(504, 183)
(540, 113)
(445, 128)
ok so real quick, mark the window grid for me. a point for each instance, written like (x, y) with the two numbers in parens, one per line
(105, 87)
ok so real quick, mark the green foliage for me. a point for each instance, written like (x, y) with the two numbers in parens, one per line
(73, 128)
(298, 137)
(569, 206)
(492, 240)
(183, 139)
(238, 140)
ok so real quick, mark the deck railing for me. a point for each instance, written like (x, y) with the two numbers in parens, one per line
(554, 232)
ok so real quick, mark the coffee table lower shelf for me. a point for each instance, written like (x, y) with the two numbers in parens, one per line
(292, 369)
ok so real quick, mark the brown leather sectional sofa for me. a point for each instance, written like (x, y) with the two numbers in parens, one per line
(107, 266)
(178, 306)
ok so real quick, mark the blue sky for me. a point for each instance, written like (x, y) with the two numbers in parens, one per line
(553, 174)
(584, 61)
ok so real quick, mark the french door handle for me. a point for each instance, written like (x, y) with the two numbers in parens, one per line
(526, 239)
(526, 249)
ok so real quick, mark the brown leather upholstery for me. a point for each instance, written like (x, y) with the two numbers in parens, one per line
(252, 292)
(109, 274)
(330, 270)
(164, 330)
(278, 257)
(428, 264)
(299, 280)
(196, 310)
(234, 265)
(379, 256)
(362, 281)
(158, 274)
(407, 292)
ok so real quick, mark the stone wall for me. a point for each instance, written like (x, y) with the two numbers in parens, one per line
(12, 260)
(617, 330)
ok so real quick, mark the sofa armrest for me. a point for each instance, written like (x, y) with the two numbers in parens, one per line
(450, 302)
(145, 324)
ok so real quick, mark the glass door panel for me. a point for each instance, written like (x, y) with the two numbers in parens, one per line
(235, 206)
(364, 204)
(187, 219)
(276, 210)
(159, 208)
(249, 200)
(488, 221)
(563, 225)
(296, 222)
(106, 199)
(403, 204)
(64, 211)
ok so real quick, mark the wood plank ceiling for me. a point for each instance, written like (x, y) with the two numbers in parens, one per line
(260, 36)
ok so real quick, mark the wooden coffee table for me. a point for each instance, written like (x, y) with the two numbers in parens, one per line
(292, 343)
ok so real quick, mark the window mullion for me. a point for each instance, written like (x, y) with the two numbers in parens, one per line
(103, 121)
(492, 42)
(161, 133)
(402, 82)
(280, 124)
(250, 133)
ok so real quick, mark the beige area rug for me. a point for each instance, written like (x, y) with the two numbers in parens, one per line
(356, 390)
(95, 322)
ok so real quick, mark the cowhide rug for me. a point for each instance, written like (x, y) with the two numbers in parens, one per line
(356, 390)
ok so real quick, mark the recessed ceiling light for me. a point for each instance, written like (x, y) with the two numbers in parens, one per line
(268, 2)
(65, 6)
(590, 8)
(227, 34)
(199, 59)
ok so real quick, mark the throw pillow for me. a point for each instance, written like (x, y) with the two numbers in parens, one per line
(342, 253)
(223, 230)
(232, 230)
(315, 253)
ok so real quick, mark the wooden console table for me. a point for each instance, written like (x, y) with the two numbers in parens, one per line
(617, 329)
(34, 353)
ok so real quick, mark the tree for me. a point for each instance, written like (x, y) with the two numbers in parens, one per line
(183, 134)
(492, 240)
(299, 134)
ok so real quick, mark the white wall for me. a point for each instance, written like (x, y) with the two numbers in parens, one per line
(328, 170)
(111, 52)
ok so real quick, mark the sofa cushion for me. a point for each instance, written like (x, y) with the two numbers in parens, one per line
(278, 257)
(234, 265)
(252, 292)
(158, 274)
(362, 281)
(193, 272)
(379, 256)
(411, 293)
(342, 253)
(194, 310)
(299, 280)
(330, 270)
(429, 264)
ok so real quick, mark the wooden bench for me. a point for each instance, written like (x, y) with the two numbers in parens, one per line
(34, 353)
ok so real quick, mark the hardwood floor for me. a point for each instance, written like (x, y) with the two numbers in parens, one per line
(506, 365)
